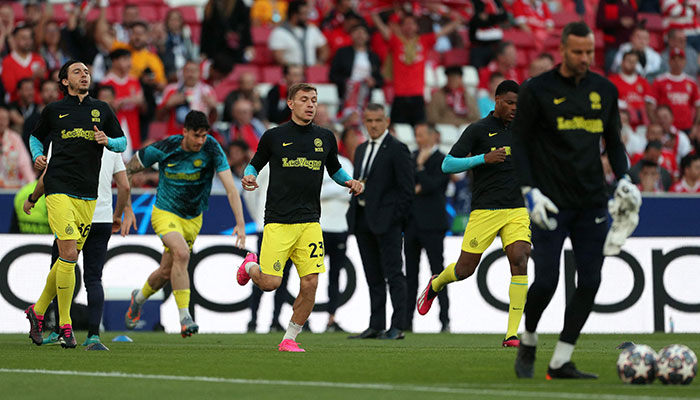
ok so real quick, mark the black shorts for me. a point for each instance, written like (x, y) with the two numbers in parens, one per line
(408, 110)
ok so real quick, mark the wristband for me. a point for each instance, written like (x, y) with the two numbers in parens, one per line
(29, 199)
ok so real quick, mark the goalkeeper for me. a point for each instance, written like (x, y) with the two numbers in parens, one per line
(562, 116)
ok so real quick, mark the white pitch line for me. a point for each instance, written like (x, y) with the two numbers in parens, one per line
(342, 385)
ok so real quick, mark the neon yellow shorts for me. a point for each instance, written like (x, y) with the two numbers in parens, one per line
(512, 224)
(165, 222)
(302, 242)
(70, 218)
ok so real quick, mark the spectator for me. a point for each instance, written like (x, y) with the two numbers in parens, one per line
(674, 140)
(267, 12)
(434, 17)
(129, 98)
(649, 64)
(677, 40)
(350, 139)
(452, 104)
(652, 153)
(51, 47)
(485, 31)
(246, 90)
(178, 47)
(342, 35)
(142, 58)
(244, 126)
(682, 15)
(238, 154)
(533, 17)
(7, 25)
(276, 107)
(48, 94)
(323, 118)
(296, 41)
(409, 51)
(487, 100)
(88, 42)
(226, 32)
(336, 16)
(542, 63)
(190, 93)
(678, 91)
(650, 177)
(634, 142)
(15, 162)
(690, 175)
(617, 19)
(356, 70)
(505, 63)
(130, 15)
(25, 105)
(22, 62)
(635, 93)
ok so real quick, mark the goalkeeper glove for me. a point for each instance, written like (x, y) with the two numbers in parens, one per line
(537, 205)
(624, 210)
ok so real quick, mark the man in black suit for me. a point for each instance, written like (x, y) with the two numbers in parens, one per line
(428, 222)
(377, 218)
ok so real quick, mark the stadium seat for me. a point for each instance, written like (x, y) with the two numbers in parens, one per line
(429, 76)
(327, 94)
(562, 18)
(271, 74)
(377, 96)
(440, 77)
(519, 38)
(448, 133)
(470, 76)
(18, 9)
(263, 55)
(455, 57)
(317, 73)
(196, 34)
(60, 15)
(404, 132)
(523, 57)
(149, 13)
(223, 88)
(189, 14)
(243, 68)
(654, 21)
(260, 35)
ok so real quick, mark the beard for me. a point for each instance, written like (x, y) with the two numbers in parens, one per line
(77, 89)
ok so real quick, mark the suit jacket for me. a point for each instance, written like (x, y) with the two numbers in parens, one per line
(428, 209)
(389, 188)
(341, 69)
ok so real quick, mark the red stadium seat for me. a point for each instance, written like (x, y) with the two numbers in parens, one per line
(196, 33)
(271, 74)
(523, 57)
(563, 18)
(260, 35)
(149, 13)
(223, 88)
(317, 73)
(18, 9)
(654, 21)
(263, 55)
(455, 57)
(189, 14)
(519, 38)
(243, 68)
(59, 13)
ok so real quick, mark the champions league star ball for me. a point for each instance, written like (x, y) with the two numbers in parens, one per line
(677, 365)
(637, 364)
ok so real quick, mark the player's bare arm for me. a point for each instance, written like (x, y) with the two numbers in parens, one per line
(123, 206)
(34, 197)
(234, 199)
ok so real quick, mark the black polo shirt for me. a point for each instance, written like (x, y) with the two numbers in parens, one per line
(495, 185)
(557, 135)
(76, 157)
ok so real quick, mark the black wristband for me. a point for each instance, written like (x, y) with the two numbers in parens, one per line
(29, 199)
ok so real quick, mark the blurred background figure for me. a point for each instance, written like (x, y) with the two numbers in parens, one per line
(690, 175)
(246, 90)
(189, 93)
(452, 104)
(16, 169)
(296, 41)
(226, 39)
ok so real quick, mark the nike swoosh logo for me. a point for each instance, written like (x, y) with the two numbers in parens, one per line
(172, 165)
(559, 100)
(319, 265)
(599, 220)
(493, 134)
(287, 144)
(63, 115)
(63, 287)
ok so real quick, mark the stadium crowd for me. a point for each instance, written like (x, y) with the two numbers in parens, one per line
(434, 62)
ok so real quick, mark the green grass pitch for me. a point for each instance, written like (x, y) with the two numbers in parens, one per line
(423, 366)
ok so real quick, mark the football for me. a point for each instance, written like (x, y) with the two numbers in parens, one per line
(678, 365)
(637, 364)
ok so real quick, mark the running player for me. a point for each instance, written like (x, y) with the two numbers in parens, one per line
(497, 205)
(562, 116)
(79, 128)
(187, 164)
(297, 152)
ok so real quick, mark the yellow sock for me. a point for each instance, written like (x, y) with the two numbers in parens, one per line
(48, 293)
(65, 285)
(148, 291)
(446, 276)
(182, 298)
(517, 293)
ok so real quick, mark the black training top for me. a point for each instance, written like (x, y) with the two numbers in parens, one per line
(495, 185)
(557, 137)
(76, 157)
(297, 155)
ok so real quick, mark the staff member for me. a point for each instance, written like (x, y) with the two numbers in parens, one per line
(377, 220)
(562, 116)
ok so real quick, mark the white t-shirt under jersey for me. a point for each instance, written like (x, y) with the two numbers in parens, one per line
(111, 164)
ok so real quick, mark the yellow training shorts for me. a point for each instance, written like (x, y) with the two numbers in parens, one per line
(165, 222)
(302, 242)
(70, 218)
(512, 224)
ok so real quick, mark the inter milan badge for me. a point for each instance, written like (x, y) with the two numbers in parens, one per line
(69, 230)
(197, 163)
(319, 145)
(594, 97)
(95, 115)
(474, 242)
(277, 265)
